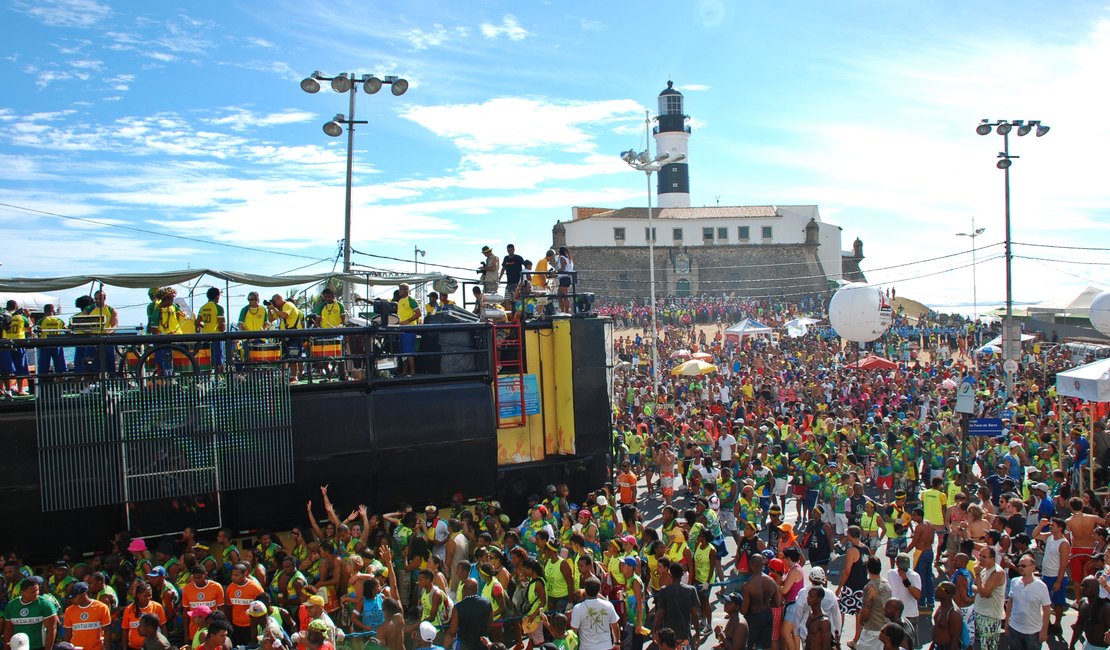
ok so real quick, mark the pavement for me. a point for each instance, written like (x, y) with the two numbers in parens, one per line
(651, 507)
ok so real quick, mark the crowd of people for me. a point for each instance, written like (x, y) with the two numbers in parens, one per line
(818, 505)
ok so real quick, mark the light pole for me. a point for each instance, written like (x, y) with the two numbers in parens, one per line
(1003, 128)
(349, 83)
(643, 162)
(416, 255)
(975, 232)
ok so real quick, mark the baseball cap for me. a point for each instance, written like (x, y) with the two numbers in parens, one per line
(317, 600)
(64, 645)
(427, 632)
(19, 641)
(602, 501)
(777, 565)
(1042, 487)
(157, 572)
(256, 609)
(630, 561)
(200, 611)
(817, 574)
(430, 510)
(78, 588)
(629, 539)
(734, 598)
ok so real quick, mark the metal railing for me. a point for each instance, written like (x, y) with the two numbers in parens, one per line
(364, 355)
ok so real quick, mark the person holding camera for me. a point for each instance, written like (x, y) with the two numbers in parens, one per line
(489, 271)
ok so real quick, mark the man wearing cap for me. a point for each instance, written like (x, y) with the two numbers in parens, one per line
(490, 271)
(163, 591)
(828, 604)
(435, 530)
(31, 614)
(734, 636)
(905, 586)
(86, 620)
(59, 581)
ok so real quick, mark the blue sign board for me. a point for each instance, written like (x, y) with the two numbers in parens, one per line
(991, 427)
(1007, 415)
(508, 390)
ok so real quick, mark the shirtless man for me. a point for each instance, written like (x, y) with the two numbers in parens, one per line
(666, 471)
(1093, 621)
(947, 623)
(734, 636)
(818, 627)
(760, 593)
(1081, 525)
(924, 533)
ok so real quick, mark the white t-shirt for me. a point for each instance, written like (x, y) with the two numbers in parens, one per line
(593, 619)
(1028, 601)
(727, 443)
(901, 592)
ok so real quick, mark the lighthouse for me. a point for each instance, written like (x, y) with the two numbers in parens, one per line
(671, 137)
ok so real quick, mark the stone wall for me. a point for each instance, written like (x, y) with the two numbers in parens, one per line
(618, 272)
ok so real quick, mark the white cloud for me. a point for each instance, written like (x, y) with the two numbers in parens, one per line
(420, 39)
(260, 42)
(509, 28)
(521, 123)
(693, 88)
(64, 13)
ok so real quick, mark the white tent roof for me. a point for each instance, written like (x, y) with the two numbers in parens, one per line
(997, 341)
(1078, 305)
(748, 327)
(1090, 382)
(33, 301)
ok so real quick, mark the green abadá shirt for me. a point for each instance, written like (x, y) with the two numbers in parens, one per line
(28, 618)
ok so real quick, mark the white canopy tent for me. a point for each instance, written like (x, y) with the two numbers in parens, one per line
(1090, 382)
(747, 327)
(997, 341)
(32, 301)
(148, 280)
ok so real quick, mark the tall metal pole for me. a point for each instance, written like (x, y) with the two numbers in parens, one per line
(347, 204)
(1007, 344)
(974, 275)
(651, 283)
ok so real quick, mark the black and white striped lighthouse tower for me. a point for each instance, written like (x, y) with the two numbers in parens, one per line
(671, 136)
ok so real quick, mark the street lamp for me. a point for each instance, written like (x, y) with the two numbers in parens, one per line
(644, 162)
(349, 83)
(1003, 128)
(417, 253)
(975, 232)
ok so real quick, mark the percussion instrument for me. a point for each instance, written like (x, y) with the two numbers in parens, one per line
(325, 348)
(264, 352)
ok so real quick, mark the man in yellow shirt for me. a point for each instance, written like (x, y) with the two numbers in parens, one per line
(51, 325)
(289, 317)
(935, 503)
(210, 319)
(332, 313)
(13, 362)
(408, 313)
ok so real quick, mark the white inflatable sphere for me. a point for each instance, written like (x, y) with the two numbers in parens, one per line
(1100, 313)
(859, 313)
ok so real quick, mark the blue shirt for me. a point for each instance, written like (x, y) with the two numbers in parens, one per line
(1046, 509)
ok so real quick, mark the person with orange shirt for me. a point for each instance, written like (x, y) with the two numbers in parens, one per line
(200, 591)
(143, 605)
(86, 619)
(240, 592)
(627, 485)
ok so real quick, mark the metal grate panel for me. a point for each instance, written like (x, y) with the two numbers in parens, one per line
(117, 441)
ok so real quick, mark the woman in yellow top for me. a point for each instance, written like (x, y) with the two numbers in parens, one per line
(170, 317)
(871, 523)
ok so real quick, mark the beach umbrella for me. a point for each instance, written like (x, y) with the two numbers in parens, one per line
(948, 383)
(621, 365)
(693, 368)
(704, 356)
(680, 354)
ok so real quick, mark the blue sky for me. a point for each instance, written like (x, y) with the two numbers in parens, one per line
(188, 120)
